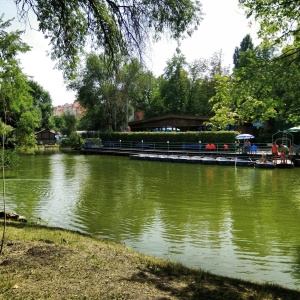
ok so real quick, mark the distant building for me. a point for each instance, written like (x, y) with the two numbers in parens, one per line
(72, 108)
(46, 137)
(58, 110)
(174, 122)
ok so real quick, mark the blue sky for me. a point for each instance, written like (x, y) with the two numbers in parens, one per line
(224, 26)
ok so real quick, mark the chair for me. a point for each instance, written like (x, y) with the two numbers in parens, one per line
(253, 149)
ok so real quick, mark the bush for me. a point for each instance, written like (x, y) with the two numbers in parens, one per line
(94, 141)
(75, 141)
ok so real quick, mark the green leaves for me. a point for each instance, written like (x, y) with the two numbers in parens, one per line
(43, 102)
(115, 27)
(263, 89)
(69, 123)
(110, 94)
(16, 109)
(278, 19)
(10, 42)
(238, 57)
(5, 129)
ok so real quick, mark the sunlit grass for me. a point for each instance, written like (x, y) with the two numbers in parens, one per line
(41, 263)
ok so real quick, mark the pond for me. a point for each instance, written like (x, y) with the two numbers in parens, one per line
(239, 222)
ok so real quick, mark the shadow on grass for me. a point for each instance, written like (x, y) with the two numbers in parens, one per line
(186, 283)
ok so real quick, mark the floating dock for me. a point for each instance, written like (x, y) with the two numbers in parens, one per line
(191, 157)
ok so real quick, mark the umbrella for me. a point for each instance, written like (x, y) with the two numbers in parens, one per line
(294, 129)
(244, 136)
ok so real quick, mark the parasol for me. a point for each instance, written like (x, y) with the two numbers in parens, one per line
(244, 136)
(294, 129)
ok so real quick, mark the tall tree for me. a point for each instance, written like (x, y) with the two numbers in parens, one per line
(96, 92)
(109, 94)
(216, 64)
(13, 92)
(135, 84)
(69, 123)
(246, 44)
(15, 100)
(120, 27)
(203, 83)
(175, 89)
(197, 71)
(252, 93)
(43, 102)
(154, 105)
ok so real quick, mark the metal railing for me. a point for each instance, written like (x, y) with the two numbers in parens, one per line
(185, 147)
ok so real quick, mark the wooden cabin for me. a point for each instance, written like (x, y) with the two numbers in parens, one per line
(184, 123)
(46, 137)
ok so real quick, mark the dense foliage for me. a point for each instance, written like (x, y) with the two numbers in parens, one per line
(16, 108)
(25, 107)
(245, 45)
(69, 123)
(74, 141)
(262, 87)
(279, 20)
(43, 103)
(117, 27)
(110, 96)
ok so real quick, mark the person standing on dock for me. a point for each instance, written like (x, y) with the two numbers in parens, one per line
(274, 152)
(284, 152)
(237, 146)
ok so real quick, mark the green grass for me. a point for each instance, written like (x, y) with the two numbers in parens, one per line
(49, 263)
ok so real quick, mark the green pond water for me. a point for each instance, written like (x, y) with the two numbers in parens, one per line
(240, 222)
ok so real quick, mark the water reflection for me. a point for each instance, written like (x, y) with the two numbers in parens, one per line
(238, 222)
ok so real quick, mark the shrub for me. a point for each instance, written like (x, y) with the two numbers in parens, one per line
(75, 141)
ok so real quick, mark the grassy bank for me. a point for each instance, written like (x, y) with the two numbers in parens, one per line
(48, 263)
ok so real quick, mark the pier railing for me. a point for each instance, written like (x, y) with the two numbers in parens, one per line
(167, 146)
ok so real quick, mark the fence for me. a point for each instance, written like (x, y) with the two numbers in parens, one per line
(258, 148)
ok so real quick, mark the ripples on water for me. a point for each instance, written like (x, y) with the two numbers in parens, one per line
(241, 222)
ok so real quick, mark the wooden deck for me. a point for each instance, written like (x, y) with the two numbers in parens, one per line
(120, 151)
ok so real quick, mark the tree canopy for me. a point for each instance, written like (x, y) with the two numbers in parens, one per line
(15, 99)
(279, 21)
(108, 94)
(260, 88)
(43, 102)
(120, 26)
(18, 109)
(263, 89)
(245, 45)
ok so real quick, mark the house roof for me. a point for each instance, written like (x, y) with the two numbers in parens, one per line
(46, 130)
(178, 121)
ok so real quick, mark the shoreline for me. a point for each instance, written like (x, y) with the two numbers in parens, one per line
(40, 262)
